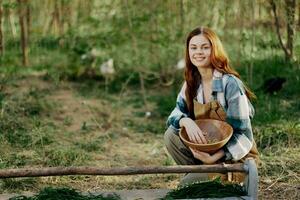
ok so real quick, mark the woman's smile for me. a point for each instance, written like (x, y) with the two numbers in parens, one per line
(197, 58)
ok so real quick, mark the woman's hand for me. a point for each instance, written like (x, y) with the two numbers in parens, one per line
(206, 158)
(193, 131)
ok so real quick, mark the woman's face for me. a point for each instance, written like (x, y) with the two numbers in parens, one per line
(199, 51)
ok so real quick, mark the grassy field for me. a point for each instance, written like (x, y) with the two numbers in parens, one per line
(46, 121)
(59, 112)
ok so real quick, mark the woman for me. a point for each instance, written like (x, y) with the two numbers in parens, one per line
(212, 89)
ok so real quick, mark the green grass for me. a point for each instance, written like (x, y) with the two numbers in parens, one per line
(21, 184)
(19, 122)
(65, 194)
(31, 136)
(64, 156)
(208, 189)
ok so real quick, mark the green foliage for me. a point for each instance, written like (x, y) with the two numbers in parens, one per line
(208, 189)
(277, 136)
(49, 42)
(65, 194)
(165, 104)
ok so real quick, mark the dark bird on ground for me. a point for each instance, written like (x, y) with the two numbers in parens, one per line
(273, 85)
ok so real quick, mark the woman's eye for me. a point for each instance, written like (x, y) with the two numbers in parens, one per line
(206, 47)
(193, 48)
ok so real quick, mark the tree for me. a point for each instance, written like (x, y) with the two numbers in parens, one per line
(290, 9)
(24, 29)
(1, 31)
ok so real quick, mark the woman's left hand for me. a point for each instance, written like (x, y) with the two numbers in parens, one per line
(206, 158)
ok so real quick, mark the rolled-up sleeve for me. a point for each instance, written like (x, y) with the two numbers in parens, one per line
(179, 111)
(238, 116)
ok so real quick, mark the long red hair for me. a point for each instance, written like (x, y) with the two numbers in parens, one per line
(219, 60)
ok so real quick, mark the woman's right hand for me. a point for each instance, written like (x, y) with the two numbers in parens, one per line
(193, 131)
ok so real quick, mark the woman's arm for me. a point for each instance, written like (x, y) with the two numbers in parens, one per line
(206, 158)
(180, 111)
(238, 116)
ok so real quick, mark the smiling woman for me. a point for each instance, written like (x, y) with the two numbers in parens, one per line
(212, 90)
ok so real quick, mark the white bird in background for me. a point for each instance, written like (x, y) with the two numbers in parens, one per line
(107, 70)
(180, 64)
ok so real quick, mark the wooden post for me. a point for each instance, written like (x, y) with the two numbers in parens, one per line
(251, 180)
(62, 171)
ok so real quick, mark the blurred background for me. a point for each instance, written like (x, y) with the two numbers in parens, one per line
(80, 77)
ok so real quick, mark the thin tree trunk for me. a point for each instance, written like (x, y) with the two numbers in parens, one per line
(63, 16)
(298, 14)
(290, 6)
(47, 16)
(215, 16)
(28, 20)
(241, 25)
(24, 31)
(53, 23)
(290, 12)
(252, 42)
(274, 9)
(1, 31)
(182, 20)
(56, 18)
(12, 23)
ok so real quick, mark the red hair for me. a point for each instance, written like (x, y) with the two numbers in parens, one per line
(219, 60)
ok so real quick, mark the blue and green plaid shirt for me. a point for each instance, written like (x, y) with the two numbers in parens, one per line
(231, 95)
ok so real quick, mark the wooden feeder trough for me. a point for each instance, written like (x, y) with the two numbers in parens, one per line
(249, 168)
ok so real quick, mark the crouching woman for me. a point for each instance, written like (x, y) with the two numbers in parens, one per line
(212, 89)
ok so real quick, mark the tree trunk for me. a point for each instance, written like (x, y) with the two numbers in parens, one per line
(215, 17)
(290, 13)
(290, 8)
(24, 31)
(182, 21)
(28, 20)
(298, 14)
(250, 74)
(240, 38)
(53, 23)
(1, 31)
(12, 23)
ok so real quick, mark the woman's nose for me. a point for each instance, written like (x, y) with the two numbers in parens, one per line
(199, 50)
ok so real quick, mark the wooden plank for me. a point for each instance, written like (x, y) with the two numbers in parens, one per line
(62, 171)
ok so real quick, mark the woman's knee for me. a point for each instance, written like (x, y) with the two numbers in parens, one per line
(169, 137)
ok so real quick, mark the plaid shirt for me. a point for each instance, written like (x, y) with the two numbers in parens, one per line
(231, 95)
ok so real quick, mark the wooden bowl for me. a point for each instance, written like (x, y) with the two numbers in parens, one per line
(218, 134)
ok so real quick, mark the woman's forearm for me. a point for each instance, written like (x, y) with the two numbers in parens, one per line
(218, 155)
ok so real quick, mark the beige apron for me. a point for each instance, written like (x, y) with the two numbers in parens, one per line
(213, 110)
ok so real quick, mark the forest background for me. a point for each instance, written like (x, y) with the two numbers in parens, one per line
(92, 83)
